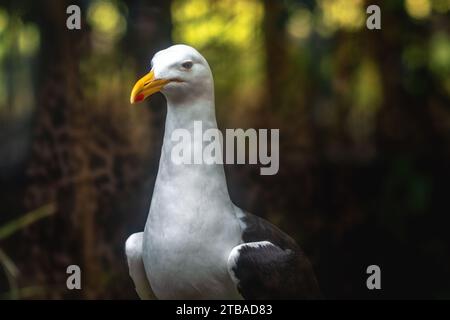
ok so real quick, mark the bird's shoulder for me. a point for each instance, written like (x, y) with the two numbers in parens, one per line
(255, 229)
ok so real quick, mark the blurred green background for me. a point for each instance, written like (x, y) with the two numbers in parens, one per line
(364, 119)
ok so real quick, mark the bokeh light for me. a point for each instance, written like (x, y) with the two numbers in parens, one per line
(367, 96)
(300, 24)
(29, 39)
(200, 22)
(107, 22)
(3, 20)
(439, 60)
(345, 14)
(418, 9)
(441, 6)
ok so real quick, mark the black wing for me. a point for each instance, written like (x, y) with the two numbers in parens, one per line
(270, 265)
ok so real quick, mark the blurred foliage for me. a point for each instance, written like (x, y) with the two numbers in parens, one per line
(22, 222)
(11, 270)
(364, 120)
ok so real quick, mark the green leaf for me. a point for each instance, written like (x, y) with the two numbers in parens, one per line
(29, 218)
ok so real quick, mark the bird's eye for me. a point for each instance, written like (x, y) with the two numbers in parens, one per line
(187, 65)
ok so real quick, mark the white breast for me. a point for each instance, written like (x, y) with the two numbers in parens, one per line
(189, 234)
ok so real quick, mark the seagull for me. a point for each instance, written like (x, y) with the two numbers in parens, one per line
(196, 243)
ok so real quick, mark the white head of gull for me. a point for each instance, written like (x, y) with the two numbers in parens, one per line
(196, 243)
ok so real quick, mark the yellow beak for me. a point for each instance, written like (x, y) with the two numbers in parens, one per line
(146, 86)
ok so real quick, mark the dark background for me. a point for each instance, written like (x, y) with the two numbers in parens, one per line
(364, 119)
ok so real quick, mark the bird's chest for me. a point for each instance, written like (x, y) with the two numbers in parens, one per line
(190, 232)
(180, 265)
(186, 258)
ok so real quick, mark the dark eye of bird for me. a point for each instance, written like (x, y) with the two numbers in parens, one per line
(187, 64)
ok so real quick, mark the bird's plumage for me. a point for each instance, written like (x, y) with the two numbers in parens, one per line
(196, 243)
(133, 250)
(269, 264)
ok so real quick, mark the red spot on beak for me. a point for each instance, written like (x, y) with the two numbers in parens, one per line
(139, 97)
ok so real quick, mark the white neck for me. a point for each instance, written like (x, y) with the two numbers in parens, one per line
(198, 188)
(182, 114)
